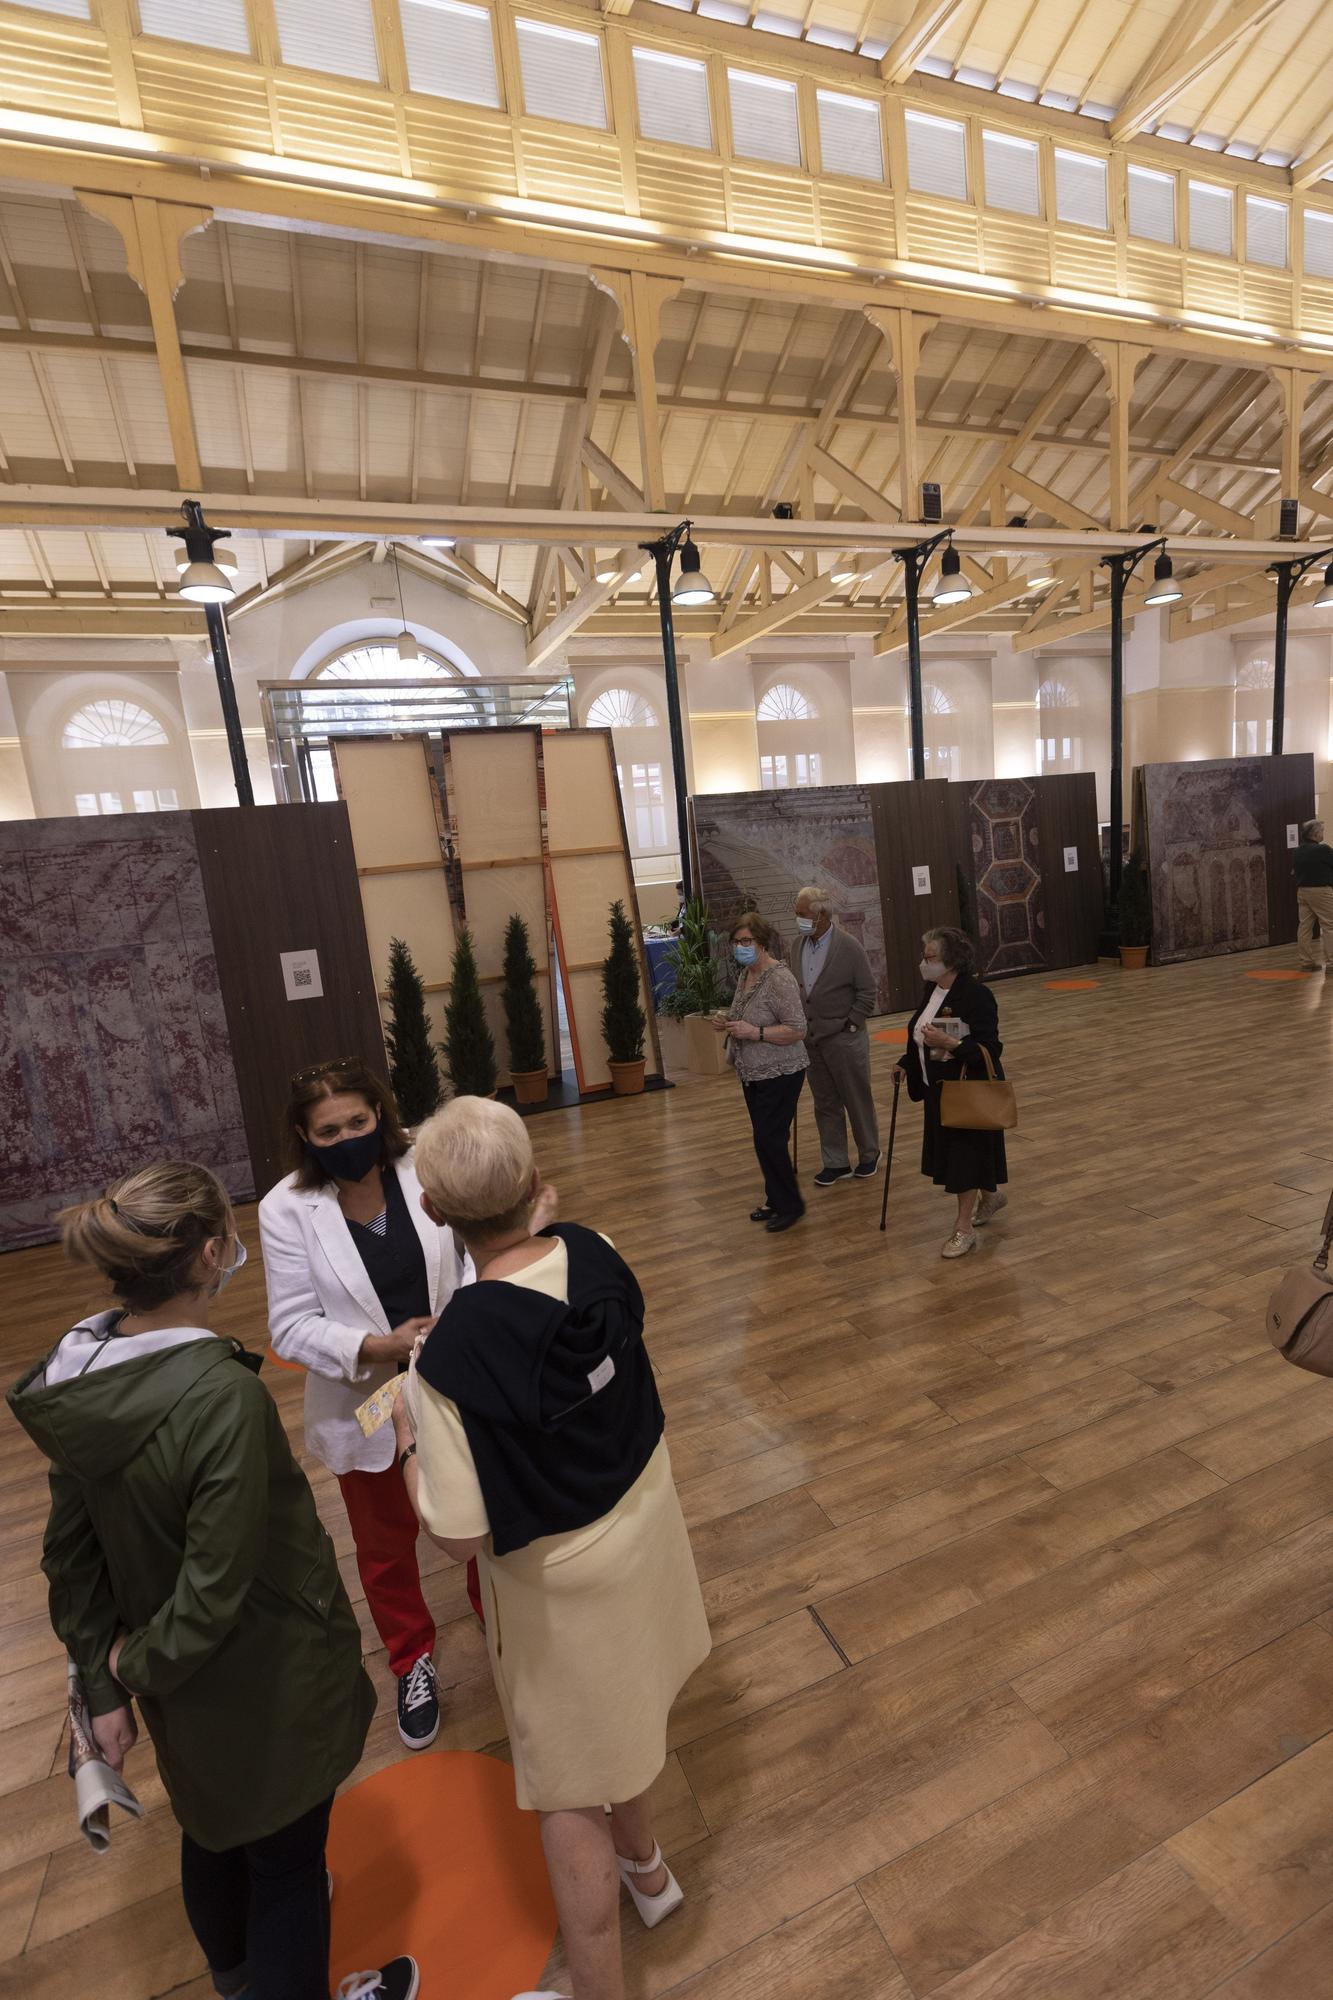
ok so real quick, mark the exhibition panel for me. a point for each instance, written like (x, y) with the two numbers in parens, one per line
(393, 809)
(114, 1044)
(290, 942)
(757, 849)
(919, 854)
(1218, 835)
(1010, 904)
(589, 870)
(492, 800)
(1070, 862)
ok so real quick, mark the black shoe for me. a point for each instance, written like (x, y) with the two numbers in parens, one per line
(419, 1710)
(777, 1222)
(760, 1214)
(830, 1176)
(865, 1170)
(398, 1980)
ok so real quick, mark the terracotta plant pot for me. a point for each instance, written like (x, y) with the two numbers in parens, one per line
(530, 1085)
(1133, 957)
(708, 1049)
(627, 1078)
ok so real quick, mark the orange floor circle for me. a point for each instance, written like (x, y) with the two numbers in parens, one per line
(1275, 976)
(431, 1856)
(894, 1035)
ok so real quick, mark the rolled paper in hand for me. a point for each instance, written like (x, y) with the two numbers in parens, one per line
(376, 1411)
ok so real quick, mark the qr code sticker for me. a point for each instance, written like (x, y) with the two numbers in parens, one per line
(302, 976)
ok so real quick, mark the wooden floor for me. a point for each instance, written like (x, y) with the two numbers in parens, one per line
(1020, 1569)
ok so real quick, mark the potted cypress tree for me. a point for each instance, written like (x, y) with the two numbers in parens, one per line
(524, 1028)
(698, 993)
(413, 1070)
(469, 1047)
(624, 1023)
(1134, 914)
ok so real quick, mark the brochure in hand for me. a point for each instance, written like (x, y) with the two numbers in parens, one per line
(96, 1786)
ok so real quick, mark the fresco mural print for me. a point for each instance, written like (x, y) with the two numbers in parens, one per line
(1006, 869)
(1207, 857)
(759, 848)
(114, 1048)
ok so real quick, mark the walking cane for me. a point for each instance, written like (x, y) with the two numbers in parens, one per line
(888, 1162)
(796, 1136)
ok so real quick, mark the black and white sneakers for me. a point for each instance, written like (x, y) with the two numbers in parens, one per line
(398, 1980)
(419, 1707)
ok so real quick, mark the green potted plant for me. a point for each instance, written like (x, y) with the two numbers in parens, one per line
(698, 993)
(624, 1023)
(469, 1047)
(1134, 914)
(413, 1070)
(525, 1030)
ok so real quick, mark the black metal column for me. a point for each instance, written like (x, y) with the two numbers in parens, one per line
(1120, 568)
(913, 564)
(231, 714)
(662, 554)
(1286, 574)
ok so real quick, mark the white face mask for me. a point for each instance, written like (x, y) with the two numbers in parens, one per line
(933, 970)
(237, 1263)
(805, 925)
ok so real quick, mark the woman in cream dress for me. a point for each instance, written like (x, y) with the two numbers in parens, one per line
(532, 1437)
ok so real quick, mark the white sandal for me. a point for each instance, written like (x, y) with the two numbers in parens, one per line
(651, 1908)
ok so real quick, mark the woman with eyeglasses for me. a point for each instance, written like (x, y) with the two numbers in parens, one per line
(765, 1030)
(189, 1572)
(355, 1271)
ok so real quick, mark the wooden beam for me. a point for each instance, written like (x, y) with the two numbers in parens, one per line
(1315, 165)
(608, 474)
(1293, 386)
(641, 297)
(1226, 519)
(904, 332)
(152, 233)
(1036, 495)
(1146, 103)
(576, 613)
(928, 21)
(1120, 360)
(784, 609)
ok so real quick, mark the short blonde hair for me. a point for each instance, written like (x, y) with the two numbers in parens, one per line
(474, 1160)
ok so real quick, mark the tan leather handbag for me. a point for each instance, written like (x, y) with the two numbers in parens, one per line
(979, 1104)
(1300, 1312)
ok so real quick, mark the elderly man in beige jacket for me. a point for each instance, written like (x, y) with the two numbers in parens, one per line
(838, 990)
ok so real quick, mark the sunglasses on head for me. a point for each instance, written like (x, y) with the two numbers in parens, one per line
(323, 1069)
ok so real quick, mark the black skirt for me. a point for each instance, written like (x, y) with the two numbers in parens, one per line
(960, 1161)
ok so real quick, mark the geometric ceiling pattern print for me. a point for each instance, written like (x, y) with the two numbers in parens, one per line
(1011, 917)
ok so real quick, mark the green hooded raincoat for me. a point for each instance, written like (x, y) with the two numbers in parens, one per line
(179, 1516)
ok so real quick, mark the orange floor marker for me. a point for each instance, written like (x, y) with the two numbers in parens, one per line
(431, 1856)
(1274, 976)
(1071, 985)
(895, 1035)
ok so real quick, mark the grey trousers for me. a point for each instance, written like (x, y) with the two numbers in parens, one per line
(840, 1086)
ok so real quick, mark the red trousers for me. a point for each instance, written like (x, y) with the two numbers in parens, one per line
(385, 1529)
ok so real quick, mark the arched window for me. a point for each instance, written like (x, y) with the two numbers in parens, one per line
(1256, 673)
(112, 725)
(621, 708)
(934, 701)
(784, 703)
(378, 662)
(1252, 734)
(1054, 694)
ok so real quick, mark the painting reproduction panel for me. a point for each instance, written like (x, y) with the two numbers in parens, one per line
(114, 1048)
(757, 849)
(1006, 872)
(1206, 857)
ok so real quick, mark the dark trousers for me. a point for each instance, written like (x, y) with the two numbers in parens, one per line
(771, 1104)
(262, 1910)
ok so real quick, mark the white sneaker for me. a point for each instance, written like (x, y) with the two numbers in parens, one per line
(958, 1246)
(651, 1908)
(988, 1207)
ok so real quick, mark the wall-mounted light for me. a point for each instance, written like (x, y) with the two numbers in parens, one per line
(408, 652)
(1324, 601)
(438, 541)
(206, 571)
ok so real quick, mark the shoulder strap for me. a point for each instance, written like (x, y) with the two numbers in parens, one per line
(1321, 1261)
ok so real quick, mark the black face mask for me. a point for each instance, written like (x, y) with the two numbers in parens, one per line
(349, 1159)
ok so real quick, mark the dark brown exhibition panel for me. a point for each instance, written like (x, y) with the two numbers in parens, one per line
(1067, 819)
(282, 879)
(916, 826)
(1289, 800)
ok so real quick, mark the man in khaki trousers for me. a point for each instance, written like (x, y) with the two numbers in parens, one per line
(838, 992)
(1312, 863)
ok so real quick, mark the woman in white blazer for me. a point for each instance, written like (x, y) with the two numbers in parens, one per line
(355, 1271)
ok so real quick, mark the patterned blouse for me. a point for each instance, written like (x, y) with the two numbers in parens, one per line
(767, 999)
